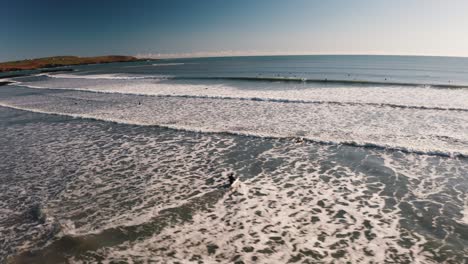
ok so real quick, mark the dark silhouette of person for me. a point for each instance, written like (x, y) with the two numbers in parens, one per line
(232, 179)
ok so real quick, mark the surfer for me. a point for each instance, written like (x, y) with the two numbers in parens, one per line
(231, 178)
(299, 140)
(37, 214)
(234, 182)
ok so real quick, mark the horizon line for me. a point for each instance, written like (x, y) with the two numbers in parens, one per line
(220, 54)
(195, 55)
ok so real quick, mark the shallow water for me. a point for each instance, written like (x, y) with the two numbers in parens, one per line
(120, 192)
(100, 166)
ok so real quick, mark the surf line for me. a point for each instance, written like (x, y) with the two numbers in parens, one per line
(248, 98)
(246, 134)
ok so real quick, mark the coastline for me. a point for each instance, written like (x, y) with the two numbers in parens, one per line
(60, 61)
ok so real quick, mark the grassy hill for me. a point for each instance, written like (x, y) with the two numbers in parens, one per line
(58, 61)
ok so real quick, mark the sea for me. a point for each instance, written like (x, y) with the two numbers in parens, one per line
(341, 159)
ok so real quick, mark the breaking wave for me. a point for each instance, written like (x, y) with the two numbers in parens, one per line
(264, 99)
(258, 79)
(101, 76)
(168, 64)
(326, 81)
(373, 145)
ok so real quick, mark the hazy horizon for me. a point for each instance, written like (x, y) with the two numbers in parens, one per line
(212, 28)
(196, 55)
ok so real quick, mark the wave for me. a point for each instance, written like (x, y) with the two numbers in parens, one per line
(157, 65)
(168, 64)
(259, 99)
(314, 102)
(5, 83)
(258, 79)
(372, 145)
(101, 76)
(325, 81)
(464, 220)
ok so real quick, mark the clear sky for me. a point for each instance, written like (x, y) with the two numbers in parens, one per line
(33, 28)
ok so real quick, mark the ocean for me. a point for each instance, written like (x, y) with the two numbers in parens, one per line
(341, 159)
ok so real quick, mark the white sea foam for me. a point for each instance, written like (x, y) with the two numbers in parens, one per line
(465, 213)
(79, 200)
(296, 201)
(100, 76)
(419, 97)
(410, 130)
(168, 64)
(151, 196)
(285, 215)
(13, 82)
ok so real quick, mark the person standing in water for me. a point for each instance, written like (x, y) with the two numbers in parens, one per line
(231, 178)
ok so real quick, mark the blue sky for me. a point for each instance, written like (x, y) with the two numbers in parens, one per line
(32, 28)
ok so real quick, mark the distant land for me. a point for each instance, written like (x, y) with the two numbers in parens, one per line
(57, 61)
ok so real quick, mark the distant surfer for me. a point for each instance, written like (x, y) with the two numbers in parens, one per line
(299, 140)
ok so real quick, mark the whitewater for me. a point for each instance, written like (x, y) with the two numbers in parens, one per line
(359, 159)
